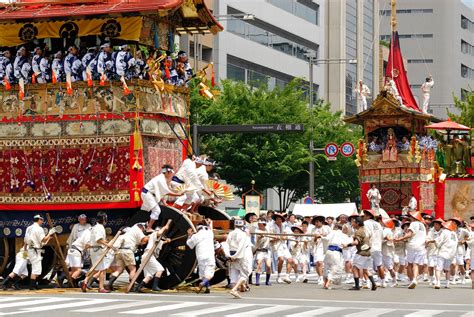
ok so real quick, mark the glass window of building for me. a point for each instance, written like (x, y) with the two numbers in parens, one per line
(255, 31)
(305, 9)
(235, 73)
(351, 53)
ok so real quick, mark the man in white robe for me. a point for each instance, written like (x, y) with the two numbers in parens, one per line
(426, 90)
(203, 242)
(241, 256)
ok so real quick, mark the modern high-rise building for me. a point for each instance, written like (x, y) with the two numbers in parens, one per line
(269, 41)
(437, 38)
(351, 40)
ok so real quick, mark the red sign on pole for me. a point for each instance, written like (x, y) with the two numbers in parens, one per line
(331, 150)
(347, 149)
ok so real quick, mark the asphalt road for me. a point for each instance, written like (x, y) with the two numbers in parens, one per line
(277, 300)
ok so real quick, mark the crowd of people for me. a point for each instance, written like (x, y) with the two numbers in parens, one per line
(379, 143)
(364, 250)
(91, 63)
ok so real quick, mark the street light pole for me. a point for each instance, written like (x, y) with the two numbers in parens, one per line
(311, 141)
(313, 60)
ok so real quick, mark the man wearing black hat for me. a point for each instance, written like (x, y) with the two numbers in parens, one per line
(262, 253)
(374, 232)
(280, 248)
(322, 230)
(35, 239)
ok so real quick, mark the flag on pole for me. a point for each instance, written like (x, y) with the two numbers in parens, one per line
(396, 71)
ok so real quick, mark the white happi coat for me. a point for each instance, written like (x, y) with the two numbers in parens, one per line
(34, 239)
(426, 89)
(77, 231)
(203, 242)
(157, 188)
(241, 253)
(333, 260)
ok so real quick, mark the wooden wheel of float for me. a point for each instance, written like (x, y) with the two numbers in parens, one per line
(4, 255)
(176, 257)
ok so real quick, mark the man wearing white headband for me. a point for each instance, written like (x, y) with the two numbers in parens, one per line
(187, 175)
(154, 192)
(240, 251)
(203, 167)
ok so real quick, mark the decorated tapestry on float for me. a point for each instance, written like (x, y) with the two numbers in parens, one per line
(128, 28)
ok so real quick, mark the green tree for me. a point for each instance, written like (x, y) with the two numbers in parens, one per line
(466, 109)
(277, 161)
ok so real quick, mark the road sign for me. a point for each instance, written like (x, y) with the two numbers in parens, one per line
(308, 200)
(331, 150)
(347, 149)
(251, 128)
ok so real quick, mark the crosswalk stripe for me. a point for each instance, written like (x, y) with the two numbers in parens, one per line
(317, 312)
(162, 308)
(468, 314)
(113, 307)
(424, 313)
(373, 312)
(264, 311)
(46, 300)
(87, 302)
(11, 299)
(213, 310)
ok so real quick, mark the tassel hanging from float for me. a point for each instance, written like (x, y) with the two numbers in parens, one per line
(137, 137)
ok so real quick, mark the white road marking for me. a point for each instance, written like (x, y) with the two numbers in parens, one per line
(162, 308)
(114, 307)
(264, 311)
(373, 312)
(11, 298)
(325, 301)
(43, 300)
(424, 313)
(468, 314)
(319, 311)
(222, 308)
(68, 305)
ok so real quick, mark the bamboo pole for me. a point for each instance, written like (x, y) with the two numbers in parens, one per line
(60, 252)
(147, 258)
(107, 249)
